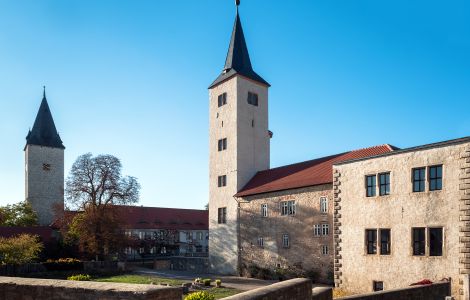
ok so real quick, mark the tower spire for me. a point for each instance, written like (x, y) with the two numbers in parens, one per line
(44, 92)
(238, 60)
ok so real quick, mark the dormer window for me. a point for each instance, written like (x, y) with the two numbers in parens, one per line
(46, 167)
(222, 99)
(253, 99)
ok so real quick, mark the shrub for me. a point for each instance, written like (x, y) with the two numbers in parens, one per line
(200, 296)
(20, 249)
(312, 274)
(63, 264)
(207, 282)
(218, 282)
(80, 277)
(198, 280)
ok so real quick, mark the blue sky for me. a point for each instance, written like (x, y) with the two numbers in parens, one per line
(130, 78)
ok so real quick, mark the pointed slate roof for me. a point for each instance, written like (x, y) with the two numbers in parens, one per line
(238, 59)
(44, 132)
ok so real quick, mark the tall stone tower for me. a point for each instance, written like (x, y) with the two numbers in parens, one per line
(238, 146)
(44, 166)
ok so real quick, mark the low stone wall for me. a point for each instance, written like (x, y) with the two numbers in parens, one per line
(436, 291)
(322, 293)
(44, 289)
(294, 289)
(192, 264)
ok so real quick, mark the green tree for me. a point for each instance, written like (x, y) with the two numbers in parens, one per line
(96, 187)
(20, 249)
(19, 214)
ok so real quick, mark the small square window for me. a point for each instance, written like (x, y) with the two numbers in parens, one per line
(370, 185)
(384, 182)
(252, 99)
(287, 208)
(222, 99)
(435, 178)
(222, 181)
(46, 167)
(378, 286)
(419, 178)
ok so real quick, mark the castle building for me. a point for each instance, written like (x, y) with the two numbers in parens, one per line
(403, 216)
(238, 146)
(44, 166)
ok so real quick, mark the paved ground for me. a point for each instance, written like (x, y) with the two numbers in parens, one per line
(239, 283)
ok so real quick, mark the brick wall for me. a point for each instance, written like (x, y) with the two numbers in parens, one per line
(44, 289)
(437, 291)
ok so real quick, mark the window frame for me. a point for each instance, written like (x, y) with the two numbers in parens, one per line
(377, 285)
(316, 230)
(388, 242)
(222, 144)
(441, 242)
(421, 180)
(222, 99)
(371, 244)
(325, 229)
(285, 237)
(421, 243)
(221, 181)
(436, 178)
(325, 250)
(323, 205)
(386, 184)
(222, 215)
(288, 208)
(264, 210)
(371, 189)
(252, 98)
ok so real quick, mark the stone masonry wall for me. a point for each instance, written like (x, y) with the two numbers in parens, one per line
(305, 249)
(403, 209)
(294, 289)
(464, 206)
(45, 289)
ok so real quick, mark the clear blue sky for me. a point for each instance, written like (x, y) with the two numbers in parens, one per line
(130, 78)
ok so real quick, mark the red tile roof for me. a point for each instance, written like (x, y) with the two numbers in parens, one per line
(309, 173)
(45, 233)
(140, 217)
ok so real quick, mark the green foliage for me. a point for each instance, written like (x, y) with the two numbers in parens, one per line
(20, 249)
(218, 282)
(200, 296)
(63, 264)
(80, 277)
(19, 214)
(207, 282)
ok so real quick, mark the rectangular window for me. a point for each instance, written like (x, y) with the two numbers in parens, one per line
(385, 241)
(252, 99)
(324, 250)
(285, 241)
(222, 215)
(370, 185)
(199, 235)
(419, 179)
(435, 178)
(222, 181)
(378, 286)
(384, 182)
(287, 208)
(222, 99)
(371, 241)
(323, 205)
(261, 242)
(419, 241)
(222, 144)
(325, 229)
(316, 230)
(435, 241)
(264, 210)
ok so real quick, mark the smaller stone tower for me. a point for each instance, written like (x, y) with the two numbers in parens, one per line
(44, 166)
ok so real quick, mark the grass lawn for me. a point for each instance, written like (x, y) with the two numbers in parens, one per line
(219, 293)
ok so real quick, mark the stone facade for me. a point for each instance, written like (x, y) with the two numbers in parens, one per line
(400, 211)
(44, 181)
(245, 127)
(305, 248)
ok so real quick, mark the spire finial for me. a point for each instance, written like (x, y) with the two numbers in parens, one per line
(44, 92)
(237, 3)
